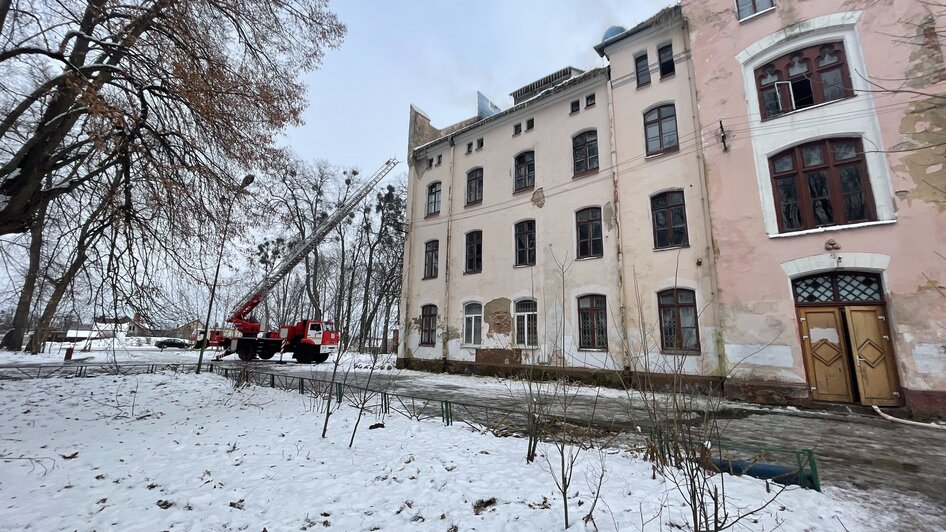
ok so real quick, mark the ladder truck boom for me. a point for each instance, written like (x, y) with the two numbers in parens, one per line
(240, 316)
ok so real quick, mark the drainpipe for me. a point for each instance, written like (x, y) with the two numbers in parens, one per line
(722, 369)
(406, 268)
(448, 193)
(616, 200)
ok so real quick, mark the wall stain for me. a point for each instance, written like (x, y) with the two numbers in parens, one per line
(538, 198)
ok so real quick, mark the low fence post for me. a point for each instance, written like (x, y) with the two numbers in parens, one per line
(338, 392)
(385, 403)
(446, 412)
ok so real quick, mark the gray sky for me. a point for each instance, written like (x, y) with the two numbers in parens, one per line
(436, 55)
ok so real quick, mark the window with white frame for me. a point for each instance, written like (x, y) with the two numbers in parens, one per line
(472, 324)
(747, 8)
(527, 319)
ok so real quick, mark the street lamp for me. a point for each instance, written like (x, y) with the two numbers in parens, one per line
(247, 181)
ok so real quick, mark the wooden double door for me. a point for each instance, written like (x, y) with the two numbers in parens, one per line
(848, 353)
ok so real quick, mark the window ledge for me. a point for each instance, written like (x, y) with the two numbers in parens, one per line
(473, 203)
(524, 189)
(530, 347)
(432, 215)
(803, 109)
(426, 345)
(471, 346)
(832, 228)
(479, 149)
(427, 278)
(523, 265)
(643, 85)
(472, 272)
(668, 76)
(594, 349)
(754, 15)
(671, 248)
(589, 106)
(680, 352)
(661, 153)
(592, 257)
(586, 173)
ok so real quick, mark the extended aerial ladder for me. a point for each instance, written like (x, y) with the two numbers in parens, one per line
(309, 340)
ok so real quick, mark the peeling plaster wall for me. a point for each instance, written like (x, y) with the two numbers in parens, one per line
(893, 45)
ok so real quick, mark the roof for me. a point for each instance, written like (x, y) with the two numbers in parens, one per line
(555, 89)
(662, 17)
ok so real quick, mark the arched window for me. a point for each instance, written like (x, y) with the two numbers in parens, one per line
(670, 219)
(474, 186)
(433, 198)
(660, 129)
(525, 170)
(585, 151)
(527, 329)
(679, 331)
(428, 325)
(525, 243)
(820, 184)
(472, 324)
(592, 322)
(802, 78)
(590, 237)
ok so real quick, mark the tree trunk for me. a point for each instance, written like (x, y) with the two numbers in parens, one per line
(21, 318)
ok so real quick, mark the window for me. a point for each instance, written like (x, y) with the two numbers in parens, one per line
(433, 198)
(590, 240)
(526, 318)
(530, 123)
(428, 325)
(474, 186)
(430, 163)
(439, 159)
(469, 147)
(474, 252)
(479, 143)
(839, 288)
(472, 324)
(678, 330)
(525, 243)
(592, 322)
(585, 151)
(821, 183)
(590, 100)
(643, 70)
(665, 58)
(517, 129)
(660, 128)
(431, 258)
(525, 170)
(747, 8)
(670, 220)
(806, 77)
(575, 106)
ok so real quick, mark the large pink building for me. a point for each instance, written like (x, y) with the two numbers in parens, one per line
(823, 133)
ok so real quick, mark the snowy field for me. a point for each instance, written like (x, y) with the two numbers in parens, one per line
(185, 452)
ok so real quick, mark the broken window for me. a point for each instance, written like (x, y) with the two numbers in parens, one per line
(525, 170)
(474, 252)
(643, 70)
(678, 321)
(431, 258)
(747, 8)
(428, 325)
(590, 237)
(592, 322)
(525, 243)
(474, 186)
(670, 219)
(660, 129)
(820, 184)
(803, 78)
(665, 58)
(585, 151)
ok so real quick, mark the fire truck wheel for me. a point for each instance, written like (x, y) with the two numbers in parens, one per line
(266, 355)
(246, 357)
(321, 357)
(303, 359)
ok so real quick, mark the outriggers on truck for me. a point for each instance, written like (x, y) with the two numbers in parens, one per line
(308, 340)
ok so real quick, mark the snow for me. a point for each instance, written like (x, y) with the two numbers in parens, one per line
(174, 451)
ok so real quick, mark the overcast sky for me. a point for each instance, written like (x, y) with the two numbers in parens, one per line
(436, 55)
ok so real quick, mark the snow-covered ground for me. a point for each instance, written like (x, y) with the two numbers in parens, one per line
(187, 452)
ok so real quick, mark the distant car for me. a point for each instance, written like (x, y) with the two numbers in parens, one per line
(171, 342)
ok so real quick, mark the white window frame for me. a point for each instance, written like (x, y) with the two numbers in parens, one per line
(532, 316)
(472, 325)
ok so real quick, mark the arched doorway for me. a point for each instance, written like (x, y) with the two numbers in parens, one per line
(845, 337)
